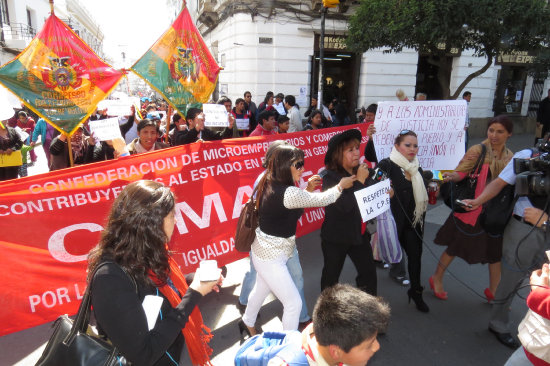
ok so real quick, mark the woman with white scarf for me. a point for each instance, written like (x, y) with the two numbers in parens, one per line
(409, 201)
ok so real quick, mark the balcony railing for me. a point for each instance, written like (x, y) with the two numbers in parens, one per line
(18, 31)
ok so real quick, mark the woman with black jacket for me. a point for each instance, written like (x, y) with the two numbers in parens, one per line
(134, 245)
(409, 201)
(342, 234)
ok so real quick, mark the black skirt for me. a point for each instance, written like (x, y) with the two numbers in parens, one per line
(470, 243)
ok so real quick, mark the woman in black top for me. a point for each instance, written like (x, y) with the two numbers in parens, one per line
(134, 241)
(342, 233)
(408, 205)
(281, 205)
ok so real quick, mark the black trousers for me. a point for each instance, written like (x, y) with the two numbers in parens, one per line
(334, 256)
(412, 244)
(9, 172)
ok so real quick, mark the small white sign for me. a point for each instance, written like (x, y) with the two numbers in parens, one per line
(280, 108)
(373, 200)
(105, 129)
(118, 107)
(22, 134)
(242, 123)
(215, 115)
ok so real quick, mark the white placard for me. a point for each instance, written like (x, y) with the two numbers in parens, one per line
(215, 115)
(439, 125)
(105, 129)
(22, 134)
(119, 107)
(373, 200)
(280, 108)
(242, 123)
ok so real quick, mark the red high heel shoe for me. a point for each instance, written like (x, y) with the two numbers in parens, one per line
(489, 295)
(439, 295)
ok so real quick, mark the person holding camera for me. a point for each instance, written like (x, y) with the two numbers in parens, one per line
(462, 233)
(522, 248)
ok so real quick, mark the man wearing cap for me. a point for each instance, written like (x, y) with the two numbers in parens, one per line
(157, 118)
(197, 131)
(148, 133)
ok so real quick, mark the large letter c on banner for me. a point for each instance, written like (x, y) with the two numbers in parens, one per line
(56, 244)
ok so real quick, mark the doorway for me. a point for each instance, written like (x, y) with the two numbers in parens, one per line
(341, 73)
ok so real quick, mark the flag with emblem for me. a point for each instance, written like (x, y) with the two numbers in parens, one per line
(59, 77)
(179, 65)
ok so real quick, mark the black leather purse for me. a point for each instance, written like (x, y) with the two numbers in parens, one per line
(74, 343)
(466, 188)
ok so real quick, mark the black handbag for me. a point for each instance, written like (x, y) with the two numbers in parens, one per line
(74, 343)
(466, 188)
(498, 211)
(247, 224)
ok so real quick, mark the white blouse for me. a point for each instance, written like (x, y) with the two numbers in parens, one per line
(268, 247)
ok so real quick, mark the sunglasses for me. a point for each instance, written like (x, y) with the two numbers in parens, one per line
(404, 132)
(298, 165)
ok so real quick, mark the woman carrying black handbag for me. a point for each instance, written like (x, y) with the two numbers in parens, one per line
(134, 241)
(462, 232)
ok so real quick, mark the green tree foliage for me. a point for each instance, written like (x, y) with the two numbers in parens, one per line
(485, 28)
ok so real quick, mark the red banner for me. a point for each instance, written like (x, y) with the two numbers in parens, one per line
(51, 221)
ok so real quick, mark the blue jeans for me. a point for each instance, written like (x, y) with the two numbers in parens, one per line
(295, 270)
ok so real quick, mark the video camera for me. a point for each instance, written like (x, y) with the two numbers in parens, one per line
(533, 174)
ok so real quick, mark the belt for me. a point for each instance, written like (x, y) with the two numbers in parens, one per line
(520, 219)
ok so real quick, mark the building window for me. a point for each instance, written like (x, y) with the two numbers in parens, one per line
(4, 14)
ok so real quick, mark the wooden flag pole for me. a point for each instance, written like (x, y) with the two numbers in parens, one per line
(51, 5)
(169, 123)
(71, 160)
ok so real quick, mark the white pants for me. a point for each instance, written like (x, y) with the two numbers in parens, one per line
(273, 276)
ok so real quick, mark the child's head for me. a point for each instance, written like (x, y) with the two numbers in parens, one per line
(346, 322)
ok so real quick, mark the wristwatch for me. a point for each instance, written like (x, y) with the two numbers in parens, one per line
(544, 225)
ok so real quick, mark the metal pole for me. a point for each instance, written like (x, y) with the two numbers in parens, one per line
(321, 60)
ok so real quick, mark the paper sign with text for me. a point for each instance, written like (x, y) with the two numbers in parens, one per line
(438, 124)
(118, 107)
(373, 200)
(242, 124)
(215, 115)
(105, 129)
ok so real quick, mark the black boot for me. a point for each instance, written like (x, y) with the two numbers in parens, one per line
(416, 295)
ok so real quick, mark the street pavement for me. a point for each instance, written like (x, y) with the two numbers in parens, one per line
(454, 332)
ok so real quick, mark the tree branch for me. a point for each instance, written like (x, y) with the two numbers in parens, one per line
(472, 76)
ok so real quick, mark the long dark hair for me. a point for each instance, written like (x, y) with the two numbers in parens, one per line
(134, 236)
(278, 169)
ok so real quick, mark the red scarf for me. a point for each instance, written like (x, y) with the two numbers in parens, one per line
(196, 334)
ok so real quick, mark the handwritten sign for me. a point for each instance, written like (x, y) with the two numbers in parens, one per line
(280, 108)
(22, 134)
(242, 123)
(438, 124)
(215, 115)
(118, 107)
(105, 129)
(373, 200)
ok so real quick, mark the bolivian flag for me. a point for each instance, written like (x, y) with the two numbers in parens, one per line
(59, 77)
(179, 65)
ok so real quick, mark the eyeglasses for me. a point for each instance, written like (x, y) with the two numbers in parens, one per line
(298, 165)
(404, 132)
